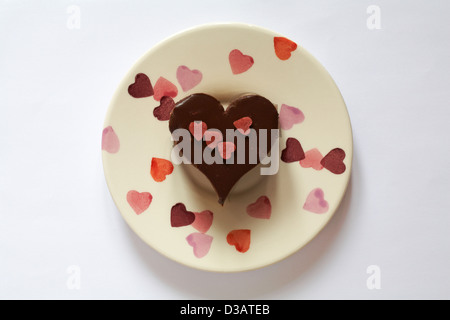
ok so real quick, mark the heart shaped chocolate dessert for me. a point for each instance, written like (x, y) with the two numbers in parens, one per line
(223, 144)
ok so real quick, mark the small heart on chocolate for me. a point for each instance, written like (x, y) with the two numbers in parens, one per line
(230, 157)
(333, 161)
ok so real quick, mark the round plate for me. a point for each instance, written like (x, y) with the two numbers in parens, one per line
(265, 218)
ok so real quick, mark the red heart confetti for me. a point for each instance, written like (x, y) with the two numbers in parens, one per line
(160, 168)
(261, 209)
(164, 87)
(139, 201)
(315, 202)
(333, 161)
(243, 125)
(110, 141)
(203, 221)
(293, 151)
(163, 111)
(283, 47)
(142, 87)
(239, 62)
(212, 138)
(198, 129)
(240, 239)
(200, 242)
(188, 78)
(180, 217)
(312, 159)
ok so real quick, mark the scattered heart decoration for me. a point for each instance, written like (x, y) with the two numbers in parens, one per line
(261, 208)
(200, 242)
(110, 141)
(289, 116)
(160, 169)
(203, 220)
(315, 202)
(334, 161)
(164, 87)
(187, 78)
(284, 47)
(142, 87)
(163, 111)
(312, 159)
(293, 151)
(139, 201)
(239, 62)
(180, 217)
(240, 239)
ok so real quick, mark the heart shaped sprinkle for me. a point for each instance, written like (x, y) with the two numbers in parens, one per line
(290, 116)
(164, 87)
(139, 202)
(239, 62)
(315, 202)
(240, 239)
(226, 149)
(110, 141)
(142, 87)
(312, 159)
(188, 78)
(283, 47)
(180, 217)
(203, 221)
(200, 242)
(261, 209)
(212, 138)
(333, 161)
(162, 112)
(198, 129)
(293, 151)
(243, 125)
(160, 168)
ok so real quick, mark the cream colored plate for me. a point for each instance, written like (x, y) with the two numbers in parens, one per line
(302, 198)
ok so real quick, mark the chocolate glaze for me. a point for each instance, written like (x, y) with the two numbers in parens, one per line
(203, 107)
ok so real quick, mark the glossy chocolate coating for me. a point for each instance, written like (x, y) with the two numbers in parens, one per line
(205, 108)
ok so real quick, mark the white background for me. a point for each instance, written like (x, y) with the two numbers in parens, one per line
(55, 209)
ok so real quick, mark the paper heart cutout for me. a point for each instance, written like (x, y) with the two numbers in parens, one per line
(283, 47)
(180, 217)
(163, 111)
(164, 87)
(312, 159)
(160, 168)
(333, 161)
(188, 78)
(239, 62)
(207, 109)
(110, 141)
(261, 208)
(142, 87)
(139, 202)
(290, 116)
(293, 151)
(200, 242)
(315, 202)
(203, 221)
(240, 239)
(198, 129)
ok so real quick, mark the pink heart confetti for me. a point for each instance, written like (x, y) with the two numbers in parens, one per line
(110, 141)
(312, 159)
(188, 78)
(200, 242)
(164, 87)
(203, 221)
(315, 202)
(293, 151)
(239, 62)
(139, 202)
(290, 116)
(261, 209)
(243, 125)
(226, 149)
(213, 137)
(198, 129)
